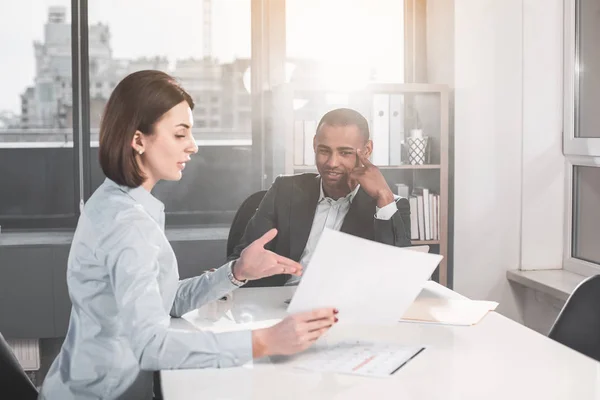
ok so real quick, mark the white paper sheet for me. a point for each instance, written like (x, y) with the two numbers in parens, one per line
(368, 282)
(357, 358)
(448, 311)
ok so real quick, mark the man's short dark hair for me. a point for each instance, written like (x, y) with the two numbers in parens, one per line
(136, 104)
(346, 117)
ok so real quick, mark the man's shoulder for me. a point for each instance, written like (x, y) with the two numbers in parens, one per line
(297, 179)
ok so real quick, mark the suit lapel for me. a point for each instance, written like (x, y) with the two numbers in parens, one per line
(359, 220)
(302, 214)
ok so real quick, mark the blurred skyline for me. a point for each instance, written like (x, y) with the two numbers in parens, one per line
(368, 33)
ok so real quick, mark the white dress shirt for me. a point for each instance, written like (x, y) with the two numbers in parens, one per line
(124, 285)
(330, 214)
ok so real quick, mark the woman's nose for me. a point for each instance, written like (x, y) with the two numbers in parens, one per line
(193, 148)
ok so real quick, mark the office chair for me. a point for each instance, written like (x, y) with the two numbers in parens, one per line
(241, 219)
(14, 383)
(578, 324)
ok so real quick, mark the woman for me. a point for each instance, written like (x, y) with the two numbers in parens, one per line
(122, 272)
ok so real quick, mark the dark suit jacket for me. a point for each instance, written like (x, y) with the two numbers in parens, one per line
(290, 206)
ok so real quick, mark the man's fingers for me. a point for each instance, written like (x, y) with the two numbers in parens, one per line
(266, 238)
(364, 159)
(355, 176)
(356, 172)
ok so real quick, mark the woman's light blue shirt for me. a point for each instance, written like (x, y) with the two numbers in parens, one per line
(124, 286)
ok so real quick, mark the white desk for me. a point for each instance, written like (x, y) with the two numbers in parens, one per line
(495, 359)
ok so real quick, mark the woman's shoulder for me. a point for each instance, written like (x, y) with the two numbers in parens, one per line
(111, 202)
(110, 209)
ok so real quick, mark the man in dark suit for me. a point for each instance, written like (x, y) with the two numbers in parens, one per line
(350, 194)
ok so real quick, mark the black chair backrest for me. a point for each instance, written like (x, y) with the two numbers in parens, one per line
(578, 324)
(241, 219)
(14, 383)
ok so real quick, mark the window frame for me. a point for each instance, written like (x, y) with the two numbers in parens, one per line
(584, 152)
(57, 222)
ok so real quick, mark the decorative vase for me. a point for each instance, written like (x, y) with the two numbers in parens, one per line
(417, 147)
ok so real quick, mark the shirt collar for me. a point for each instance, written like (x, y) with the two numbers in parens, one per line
(151, 204)
(349, 196)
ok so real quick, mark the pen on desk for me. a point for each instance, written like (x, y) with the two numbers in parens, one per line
(406, 362)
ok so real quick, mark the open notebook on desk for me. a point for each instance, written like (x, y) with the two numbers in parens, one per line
(448, 311)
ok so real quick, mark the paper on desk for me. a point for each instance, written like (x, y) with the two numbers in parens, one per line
(357, 358)
(367, 281)
(448, 311)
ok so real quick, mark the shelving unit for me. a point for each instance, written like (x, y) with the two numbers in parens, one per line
(431, 103)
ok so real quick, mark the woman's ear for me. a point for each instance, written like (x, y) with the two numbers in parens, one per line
(137, 143)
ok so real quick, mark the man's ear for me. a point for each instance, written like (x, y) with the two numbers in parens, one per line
(137, 143)
(368, 148)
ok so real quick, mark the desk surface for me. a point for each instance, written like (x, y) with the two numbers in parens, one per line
(495, 359)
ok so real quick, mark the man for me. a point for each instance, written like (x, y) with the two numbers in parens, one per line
(350, 194)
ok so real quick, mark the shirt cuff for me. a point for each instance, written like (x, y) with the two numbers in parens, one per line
(386, 212)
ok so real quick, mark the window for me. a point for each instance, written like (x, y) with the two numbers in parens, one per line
(326, 55)
(39, 179)
(344, 51)
(219, 177)
(331, 64)
(587, 123)
(340, 54)
(50, 110)
(586, 213)
(582, 136)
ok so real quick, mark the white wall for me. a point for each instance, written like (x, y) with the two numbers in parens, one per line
(543, 161)
(488, 148)
(508, 203)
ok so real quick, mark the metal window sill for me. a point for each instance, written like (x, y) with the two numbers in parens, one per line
(557, 283)
(217, 232)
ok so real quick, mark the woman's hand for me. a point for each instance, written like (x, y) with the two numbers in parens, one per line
(294, 334)
(256, 262)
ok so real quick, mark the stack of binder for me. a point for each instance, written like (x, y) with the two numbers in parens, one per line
(424, 214)
(387, 129)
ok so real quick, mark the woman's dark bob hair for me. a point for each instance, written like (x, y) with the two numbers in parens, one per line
(136, 104)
